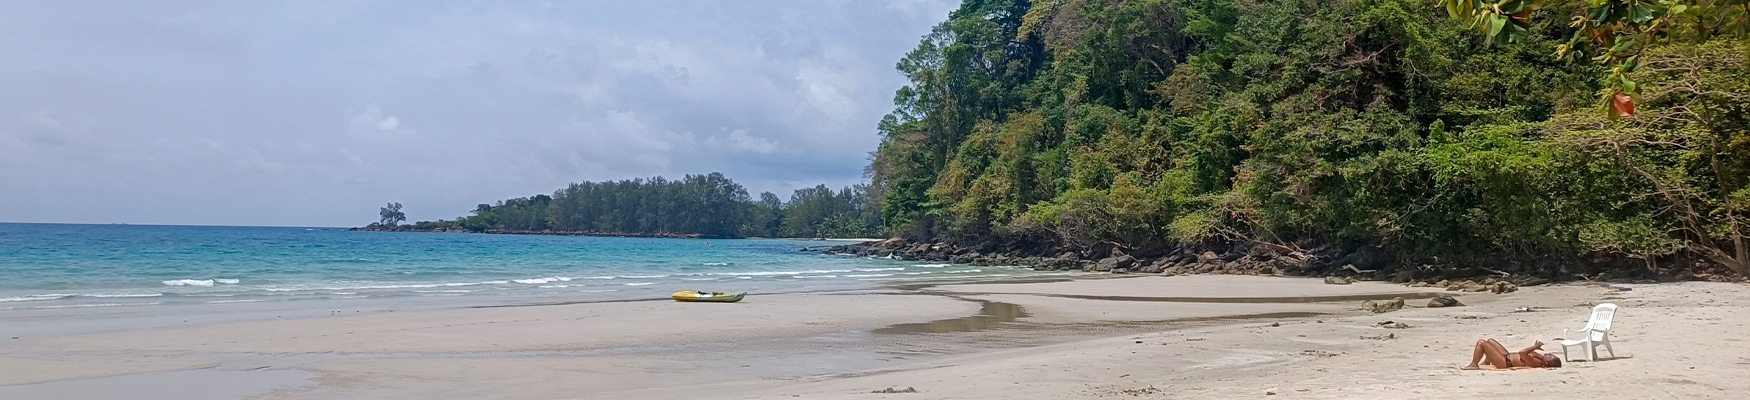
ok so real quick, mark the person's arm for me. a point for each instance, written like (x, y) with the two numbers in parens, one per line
(1529, 358)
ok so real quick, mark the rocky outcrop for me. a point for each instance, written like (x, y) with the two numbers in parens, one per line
(1337, 266)
(1443, 301)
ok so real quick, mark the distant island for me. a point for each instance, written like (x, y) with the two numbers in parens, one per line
(695, 206)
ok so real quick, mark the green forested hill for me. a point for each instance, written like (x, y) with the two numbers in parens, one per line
(1159, 125)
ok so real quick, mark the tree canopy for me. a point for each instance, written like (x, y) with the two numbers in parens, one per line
(709, 205)
(1170, 124)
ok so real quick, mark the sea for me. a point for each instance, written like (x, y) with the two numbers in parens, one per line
(57, 269)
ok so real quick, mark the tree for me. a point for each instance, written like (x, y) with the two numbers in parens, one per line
(391, 214)
(1614, 33)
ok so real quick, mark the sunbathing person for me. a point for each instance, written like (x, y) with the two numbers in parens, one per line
(1492, 352)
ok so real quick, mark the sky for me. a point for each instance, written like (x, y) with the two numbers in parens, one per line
(316, 113)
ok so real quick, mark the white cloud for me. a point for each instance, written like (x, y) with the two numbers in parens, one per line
(373, 118)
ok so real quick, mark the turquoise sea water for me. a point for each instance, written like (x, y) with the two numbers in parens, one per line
(50, 266)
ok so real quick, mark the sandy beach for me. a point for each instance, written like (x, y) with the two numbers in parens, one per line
(1144, 337)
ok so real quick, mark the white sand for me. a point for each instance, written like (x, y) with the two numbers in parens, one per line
(1672, 341)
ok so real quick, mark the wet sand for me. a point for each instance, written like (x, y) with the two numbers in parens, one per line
(1200, 337)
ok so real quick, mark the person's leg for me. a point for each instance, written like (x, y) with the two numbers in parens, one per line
(1476, 355)
(1487, 350)
(1496, 353)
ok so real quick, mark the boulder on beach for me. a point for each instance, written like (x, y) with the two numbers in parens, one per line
(1443, 301)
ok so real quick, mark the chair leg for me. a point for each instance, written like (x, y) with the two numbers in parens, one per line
(1591, 352)
(1608, 348)
(1565, 354)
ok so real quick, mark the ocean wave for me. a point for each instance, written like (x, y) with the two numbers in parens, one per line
(35, 297)
(867, 275)
(395, 286)
(771, 273)
(717, 264)
(538, 281)
(638, 283)
(643, 276)
(964, 271)
(201, 282)
(553, 286)
(233, 301)
(880, 269)
(107, 295)
(933, 265)
(81, 306)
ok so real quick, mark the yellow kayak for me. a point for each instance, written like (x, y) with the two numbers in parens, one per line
(716, 297)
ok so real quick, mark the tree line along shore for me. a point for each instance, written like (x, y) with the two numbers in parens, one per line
(1555, 140)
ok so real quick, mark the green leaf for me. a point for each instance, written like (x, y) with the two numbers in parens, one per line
(1640, 13)
(1496, 22)
(1511, 7)
(1679, 9)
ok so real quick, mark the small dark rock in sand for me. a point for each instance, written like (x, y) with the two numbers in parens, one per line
(1388, 336)
(1337, 280)
(908, 389)
(1443, 301)
(1393, 325)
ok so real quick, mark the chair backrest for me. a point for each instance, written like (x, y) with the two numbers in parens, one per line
(1602, 314)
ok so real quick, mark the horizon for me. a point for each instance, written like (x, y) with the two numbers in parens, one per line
(291, 114)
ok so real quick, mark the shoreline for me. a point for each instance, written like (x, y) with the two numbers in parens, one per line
(950, 340)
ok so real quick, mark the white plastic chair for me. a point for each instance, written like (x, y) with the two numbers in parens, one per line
(1596, 332)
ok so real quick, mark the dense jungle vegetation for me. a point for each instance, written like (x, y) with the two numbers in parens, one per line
(1438, 131)
(708, 205)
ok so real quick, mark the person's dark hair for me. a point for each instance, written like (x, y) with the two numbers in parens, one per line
(1555, 362)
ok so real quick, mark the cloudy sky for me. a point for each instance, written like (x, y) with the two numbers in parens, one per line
(315, 113)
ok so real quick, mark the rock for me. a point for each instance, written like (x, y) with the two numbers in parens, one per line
(1443, 284)
(1404, 276)
(1120, 262)
(1420, 284)
(1208, 257)
(1443, 301)
(1503, 287)
(1534, 282)
(1396, 303)
(1392, 325)
(1336, 280)
(1152, 268)
(908, 389)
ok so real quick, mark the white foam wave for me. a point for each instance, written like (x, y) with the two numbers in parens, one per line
(553, 286)
(538, 281)
(772, 273)
(867, 275)
(880, 269)
(638, 283)
(366, 287)
(966, 271)
(201, 282)
(106, 295)
(643, 276)
(189, 282)
(442, 291)
(35, 297)
(82, 306)
(716, 264)
(933, 265)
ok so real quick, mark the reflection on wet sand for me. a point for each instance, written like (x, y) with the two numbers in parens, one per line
(990, 314)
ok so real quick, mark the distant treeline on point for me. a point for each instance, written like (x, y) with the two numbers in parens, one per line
(708, 205)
